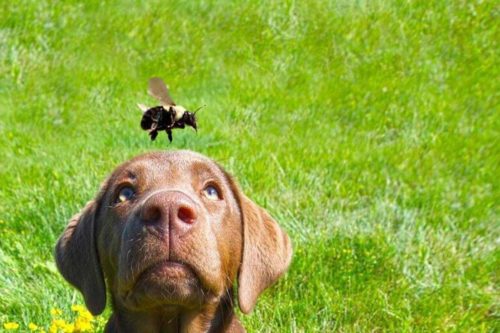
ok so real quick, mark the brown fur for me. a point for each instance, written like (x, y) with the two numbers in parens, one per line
(164, 274)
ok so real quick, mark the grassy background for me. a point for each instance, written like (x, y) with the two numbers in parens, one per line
(369, 129)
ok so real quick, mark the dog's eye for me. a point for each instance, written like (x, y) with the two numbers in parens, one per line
(126, 193)
(211, 193)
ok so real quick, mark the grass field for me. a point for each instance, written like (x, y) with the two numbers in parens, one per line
(369, 129)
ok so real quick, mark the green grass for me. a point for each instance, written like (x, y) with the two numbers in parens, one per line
(369, 129)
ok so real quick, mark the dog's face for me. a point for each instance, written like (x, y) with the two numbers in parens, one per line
(171, 230)
(163, 240)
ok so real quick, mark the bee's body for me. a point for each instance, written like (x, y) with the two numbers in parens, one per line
(167, 116)
(178, 111)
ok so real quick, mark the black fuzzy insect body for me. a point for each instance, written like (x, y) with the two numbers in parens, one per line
(167, 116)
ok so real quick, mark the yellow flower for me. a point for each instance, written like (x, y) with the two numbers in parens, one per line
(11, 326)
(82, 312)
(55, 312)
(32, 327)
(60, 323)
(86, 315)
(83, 325)
(68, 328)
(78, 308)
(53, 328)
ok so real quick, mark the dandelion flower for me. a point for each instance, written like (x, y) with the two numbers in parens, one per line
(32, 327)
(83, 325)
(68, 328)
(11, 326)
(53, 328)
(55, 312)
(86, 315)
(78, 308)
(60, 323)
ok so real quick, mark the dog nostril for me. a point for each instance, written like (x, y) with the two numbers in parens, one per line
(151, 215)
(186, 214)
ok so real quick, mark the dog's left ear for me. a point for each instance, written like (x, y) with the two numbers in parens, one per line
(267, 252)
(78, 260)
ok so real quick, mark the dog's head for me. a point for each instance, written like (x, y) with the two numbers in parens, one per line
(171, 229)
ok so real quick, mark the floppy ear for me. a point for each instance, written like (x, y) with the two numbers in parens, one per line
(78, 261)
(267, 252)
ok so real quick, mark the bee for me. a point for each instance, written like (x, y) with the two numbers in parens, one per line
(166, 116)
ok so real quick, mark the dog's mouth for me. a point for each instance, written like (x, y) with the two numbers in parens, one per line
(165, 269)
(165, 282)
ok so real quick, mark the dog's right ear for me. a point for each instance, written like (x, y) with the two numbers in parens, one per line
(78, 260)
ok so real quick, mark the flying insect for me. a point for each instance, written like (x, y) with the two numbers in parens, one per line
(167, 115)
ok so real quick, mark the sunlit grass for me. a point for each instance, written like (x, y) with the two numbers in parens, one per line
(369, 129)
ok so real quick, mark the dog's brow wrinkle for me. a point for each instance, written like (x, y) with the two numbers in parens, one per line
(131, 174)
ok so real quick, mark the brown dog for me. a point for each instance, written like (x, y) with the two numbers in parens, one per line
(169, 233)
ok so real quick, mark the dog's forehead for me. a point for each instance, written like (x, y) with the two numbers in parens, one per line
(172, 162)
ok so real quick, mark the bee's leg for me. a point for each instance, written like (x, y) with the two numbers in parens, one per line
(169, 133)
(153, 134)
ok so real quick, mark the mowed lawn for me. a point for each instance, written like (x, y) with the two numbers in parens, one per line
(368, 129)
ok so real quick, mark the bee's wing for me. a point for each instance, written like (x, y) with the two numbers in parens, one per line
(143, 107)
(158, 90)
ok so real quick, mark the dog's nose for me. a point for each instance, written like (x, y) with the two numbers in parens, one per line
(169, 209)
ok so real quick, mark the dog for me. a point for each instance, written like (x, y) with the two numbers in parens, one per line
(166, 237)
